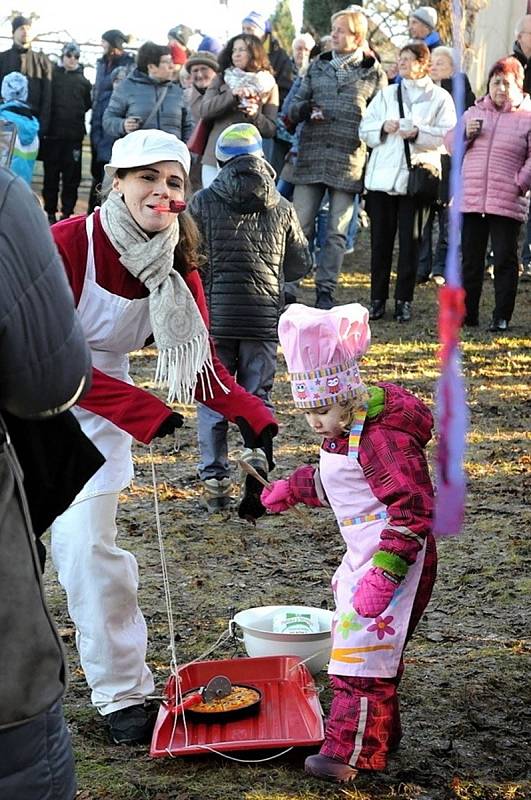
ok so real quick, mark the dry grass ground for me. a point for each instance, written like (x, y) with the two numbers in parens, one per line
(465, 697)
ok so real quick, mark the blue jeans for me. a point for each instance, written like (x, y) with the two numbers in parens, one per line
(434, 263)
(253, 364)
(307, 201)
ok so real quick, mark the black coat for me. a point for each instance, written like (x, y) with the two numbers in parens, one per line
(71, 99)
(525, 62)
(470, 99)
(44, 364)
(37, 68)
(253, 243)
(282, 68)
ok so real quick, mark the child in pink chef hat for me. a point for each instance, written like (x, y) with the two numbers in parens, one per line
(373, 474)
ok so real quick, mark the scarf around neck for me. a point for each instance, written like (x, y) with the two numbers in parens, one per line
(180, 334)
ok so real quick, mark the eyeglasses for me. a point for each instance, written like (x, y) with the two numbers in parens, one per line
(71, 55)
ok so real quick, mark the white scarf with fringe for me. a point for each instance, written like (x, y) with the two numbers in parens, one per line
(178, 328)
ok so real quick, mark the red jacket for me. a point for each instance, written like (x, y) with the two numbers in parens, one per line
(134, 410)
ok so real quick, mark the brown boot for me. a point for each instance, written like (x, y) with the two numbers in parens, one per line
(329, 769)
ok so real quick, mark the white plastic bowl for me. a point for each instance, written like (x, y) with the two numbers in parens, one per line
(259, 639)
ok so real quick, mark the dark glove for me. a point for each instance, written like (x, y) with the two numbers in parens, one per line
(169, 425)
(263, 440)
(251, 507)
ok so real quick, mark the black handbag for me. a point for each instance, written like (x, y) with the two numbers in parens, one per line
(424, 179)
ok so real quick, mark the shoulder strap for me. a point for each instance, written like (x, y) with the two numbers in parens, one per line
(401, 110)
(153, 112)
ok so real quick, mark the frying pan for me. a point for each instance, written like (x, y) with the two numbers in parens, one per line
(193, 697)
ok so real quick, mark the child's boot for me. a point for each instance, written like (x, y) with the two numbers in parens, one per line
(329, 769)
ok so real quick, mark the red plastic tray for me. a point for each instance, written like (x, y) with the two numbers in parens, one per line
(290, 713)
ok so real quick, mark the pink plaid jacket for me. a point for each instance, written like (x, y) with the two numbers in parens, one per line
(392, 457)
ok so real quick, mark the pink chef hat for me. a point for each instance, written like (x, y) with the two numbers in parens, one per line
(322, 350)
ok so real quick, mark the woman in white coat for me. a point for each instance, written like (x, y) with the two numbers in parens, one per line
(429, 112)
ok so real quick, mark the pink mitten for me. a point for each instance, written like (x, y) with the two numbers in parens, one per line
(277, 498)
(375, 591)
(298, 488)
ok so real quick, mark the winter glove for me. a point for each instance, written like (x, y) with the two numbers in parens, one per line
(375, 591)
(278, 497)
(250, 507)
(262, 440)
(298, 488)
(169, 425)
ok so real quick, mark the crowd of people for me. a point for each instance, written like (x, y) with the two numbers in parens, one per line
(281, 151)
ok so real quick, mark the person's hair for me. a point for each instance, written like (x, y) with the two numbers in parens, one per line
(150, 53)
(443, 50)
(306, 38)
(349, 407)
(356, 22)
(421, 53)
(258, 59)
(508, 66)
(188, 255)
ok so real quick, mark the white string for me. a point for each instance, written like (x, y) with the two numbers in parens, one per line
(171, 628)
(244, 760)
(164, 566)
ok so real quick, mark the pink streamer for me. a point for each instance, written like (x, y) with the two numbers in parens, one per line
(451, 403)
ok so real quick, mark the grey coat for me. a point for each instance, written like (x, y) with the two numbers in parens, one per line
(220, 107)
(330, 151)
(44, 367)
(135, 97)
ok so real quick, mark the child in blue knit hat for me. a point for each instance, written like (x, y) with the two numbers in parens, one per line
(253, 243)
(15, 110)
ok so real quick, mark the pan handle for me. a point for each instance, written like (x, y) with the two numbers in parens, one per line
(192, 700)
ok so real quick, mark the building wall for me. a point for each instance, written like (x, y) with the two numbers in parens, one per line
(493, 37)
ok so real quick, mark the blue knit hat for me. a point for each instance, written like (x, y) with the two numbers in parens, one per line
(14, 87)
(256, 19)
(210, 45)
(241, 139)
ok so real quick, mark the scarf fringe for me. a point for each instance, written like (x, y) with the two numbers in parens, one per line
(179, 368)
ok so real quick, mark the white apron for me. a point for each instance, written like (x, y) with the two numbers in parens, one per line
(114, 326)
(363, 646)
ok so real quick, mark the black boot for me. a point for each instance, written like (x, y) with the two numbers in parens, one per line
(377, 309)
(324, 299)
(402, 311)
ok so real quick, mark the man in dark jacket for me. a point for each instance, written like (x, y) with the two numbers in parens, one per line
(61, 148)
(253, 244)
(44, 369)
(522, 51)
(37, 68)
(112, 42)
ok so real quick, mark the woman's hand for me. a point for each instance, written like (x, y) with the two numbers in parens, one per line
(390, 126)
(251, 106)
(473, 128)
(411, 134)
(131, 124)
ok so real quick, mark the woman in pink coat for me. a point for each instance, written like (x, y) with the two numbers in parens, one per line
(496, 177)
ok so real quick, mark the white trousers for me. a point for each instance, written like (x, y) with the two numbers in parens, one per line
(101, 582)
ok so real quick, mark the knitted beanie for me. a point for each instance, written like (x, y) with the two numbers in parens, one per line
(18, 22)
(14, 87)
(211, 45)
(427, 15)
(256, 19)
(240, 139)
(115, 38)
